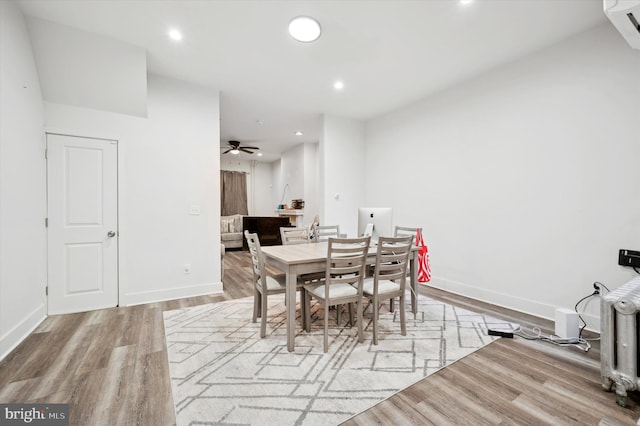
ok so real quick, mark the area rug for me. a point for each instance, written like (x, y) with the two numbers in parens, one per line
(222, 372)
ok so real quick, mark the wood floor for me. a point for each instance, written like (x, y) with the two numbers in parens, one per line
(111, 366)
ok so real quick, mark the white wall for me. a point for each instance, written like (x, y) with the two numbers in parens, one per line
(298, 171)
(22, 185)
(311, 181)
(525, 179)
(167, 163)
(292, 171)
(88, 70)
(259, 184)
(342, 171)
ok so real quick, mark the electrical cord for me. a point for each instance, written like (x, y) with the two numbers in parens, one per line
(536, 334)
(596, 292)
(584, 323)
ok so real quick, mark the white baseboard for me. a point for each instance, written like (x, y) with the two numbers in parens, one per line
(12, 338)
(142, 297)
(508, 301)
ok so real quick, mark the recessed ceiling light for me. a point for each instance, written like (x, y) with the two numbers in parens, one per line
(175, 34)
(304, 29)
(299, 133)
(465, 2)
(338, 85)
(259, 154)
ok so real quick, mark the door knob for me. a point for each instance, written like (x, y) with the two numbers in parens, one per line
(111, 234)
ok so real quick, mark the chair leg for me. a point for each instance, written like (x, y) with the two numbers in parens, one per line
(303, 309)
(391, 305)
(263, 318)
(351, 314)
(338, 309)
(256, 304)
(376, 309)
(359, 321)
(307, 311)
(326, 328)
(403, 325)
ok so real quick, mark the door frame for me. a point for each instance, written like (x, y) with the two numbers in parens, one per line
(88, 135)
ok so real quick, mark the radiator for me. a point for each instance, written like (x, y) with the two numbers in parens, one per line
(619, 327)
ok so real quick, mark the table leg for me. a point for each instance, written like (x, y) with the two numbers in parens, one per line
(292, 279)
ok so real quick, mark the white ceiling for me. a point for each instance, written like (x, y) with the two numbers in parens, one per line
(388, 53)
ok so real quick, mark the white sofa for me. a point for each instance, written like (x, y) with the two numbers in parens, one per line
(231, 231)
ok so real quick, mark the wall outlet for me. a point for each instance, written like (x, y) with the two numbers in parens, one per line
(194, 210)
(187, 268)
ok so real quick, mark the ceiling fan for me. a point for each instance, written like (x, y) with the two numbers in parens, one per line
(235, 148)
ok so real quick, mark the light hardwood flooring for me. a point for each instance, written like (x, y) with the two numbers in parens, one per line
(111, 366)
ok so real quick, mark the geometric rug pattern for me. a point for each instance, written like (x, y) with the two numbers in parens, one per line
(222, 372)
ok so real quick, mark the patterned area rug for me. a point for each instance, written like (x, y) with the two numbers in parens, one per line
(222, 372)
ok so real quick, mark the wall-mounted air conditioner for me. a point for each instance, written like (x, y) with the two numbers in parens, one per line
(625, 16)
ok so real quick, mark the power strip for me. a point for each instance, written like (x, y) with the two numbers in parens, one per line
(507, 334)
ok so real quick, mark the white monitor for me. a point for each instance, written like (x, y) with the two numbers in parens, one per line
(380, 217)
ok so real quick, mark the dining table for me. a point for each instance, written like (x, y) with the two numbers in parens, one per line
(297, 259)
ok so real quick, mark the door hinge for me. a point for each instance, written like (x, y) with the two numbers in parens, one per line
(45, 154)
(46, 222)
(46, 291)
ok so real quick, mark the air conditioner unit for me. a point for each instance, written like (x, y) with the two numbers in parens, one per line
(625, 16)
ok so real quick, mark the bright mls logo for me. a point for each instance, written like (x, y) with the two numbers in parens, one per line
(34, 414)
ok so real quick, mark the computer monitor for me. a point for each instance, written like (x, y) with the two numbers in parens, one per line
(380, 217)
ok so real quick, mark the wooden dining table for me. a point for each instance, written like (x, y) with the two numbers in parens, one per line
(297, 259)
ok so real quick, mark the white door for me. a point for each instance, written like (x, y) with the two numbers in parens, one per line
(82, 189)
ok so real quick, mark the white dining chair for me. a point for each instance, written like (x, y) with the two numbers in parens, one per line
(265, 285)
(343, 283)
(389, 277)
(294, 235)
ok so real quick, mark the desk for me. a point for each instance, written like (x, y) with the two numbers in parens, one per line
(300, 259)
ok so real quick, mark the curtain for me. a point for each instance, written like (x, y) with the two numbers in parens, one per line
(233, 193)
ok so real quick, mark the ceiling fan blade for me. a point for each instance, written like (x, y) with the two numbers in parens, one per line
(250, 147)
(243, 149)
(228, 150)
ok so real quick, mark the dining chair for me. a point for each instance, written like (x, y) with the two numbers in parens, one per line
(294, 235)
(265, 285)
(343, 283)
(389, 277)
(299, 236)
(401, 231)
(324, 232)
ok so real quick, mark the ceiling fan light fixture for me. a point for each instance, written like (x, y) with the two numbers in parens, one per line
(304, 29)
(235, 151)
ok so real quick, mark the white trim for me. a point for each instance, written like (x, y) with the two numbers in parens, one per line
(500, 299)
(21, 331)
(143, 297)
(525, 306)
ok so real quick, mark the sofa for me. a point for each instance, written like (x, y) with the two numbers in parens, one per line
(231, 231)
